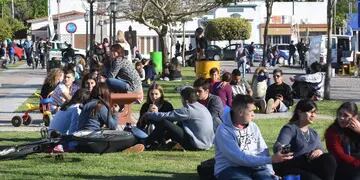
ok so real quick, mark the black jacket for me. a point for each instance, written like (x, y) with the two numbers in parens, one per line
(283, 89)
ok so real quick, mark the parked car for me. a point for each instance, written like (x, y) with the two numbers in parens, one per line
(258, 56)
(213, 52)
(284, 53)
(229, 52)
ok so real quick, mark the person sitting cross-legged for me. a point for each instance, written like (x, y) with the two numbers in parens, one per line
(240, 150)
(278, 95)
(194, 128)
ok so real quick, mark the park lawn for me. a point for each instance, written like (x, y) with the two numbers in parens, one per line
(146, 165)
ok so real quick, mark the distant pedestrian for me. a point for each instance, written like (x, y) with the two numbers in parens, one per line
(177, 48)
(301, 50)
(251, 50)
(292, 50)
(240, 58)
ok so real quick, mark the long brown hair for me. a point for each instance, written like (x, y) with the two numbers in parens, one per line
(102, 93)
(152, 87)
(53, 76)
(117, 48)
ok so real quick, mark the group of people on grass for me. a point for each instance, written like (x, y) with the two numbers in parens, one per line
(216, 111)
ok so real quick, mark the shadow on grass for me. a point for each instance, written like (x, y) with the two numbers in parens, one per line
(20, 139)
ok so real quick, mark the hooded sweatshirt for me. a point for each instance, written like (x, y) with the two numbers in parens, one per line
(236, 147)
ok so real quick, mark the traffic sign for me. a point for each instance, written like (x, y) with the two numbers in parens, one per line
(71, 27)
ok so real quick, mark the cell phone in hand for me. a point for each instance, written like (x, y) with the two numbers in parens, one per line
(286, 149)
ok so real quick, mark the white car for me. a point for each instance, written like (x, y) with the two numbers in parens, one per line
(57, 47)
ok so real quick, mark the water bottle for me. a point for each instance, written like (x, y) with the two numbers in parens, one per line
(127, 127)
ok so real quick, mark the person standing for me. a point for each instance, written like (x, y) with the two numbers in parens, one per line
(177, 48)
(292, 50)
(201, 43)
(28, 47)
(251, 50)
(301, 50)
(240, 58)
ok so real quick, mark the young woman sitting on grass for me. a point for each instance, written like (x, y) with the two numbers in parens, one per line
(94, 115)
(155, 102)
(65, 121)
(310, 161)
(343, 141)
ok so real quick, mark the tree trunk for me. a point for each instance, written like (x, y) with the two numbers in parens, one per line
(163, 45)
(183, 44)
(268, 15)
(328, 54)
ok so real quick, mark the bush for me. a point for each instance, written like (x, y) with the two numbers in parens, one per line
(228, 29)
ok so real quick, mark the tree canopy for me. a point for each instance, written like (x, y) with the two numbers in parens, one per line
(228, 29)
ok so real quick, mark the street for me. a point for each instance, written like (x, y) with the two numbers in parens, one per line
(18, 83)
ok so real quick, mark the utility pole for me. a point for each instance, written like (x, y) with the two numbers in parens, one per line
(12, 9)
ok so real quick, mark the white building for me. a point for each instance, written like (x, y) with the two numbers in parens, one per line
(310, 20)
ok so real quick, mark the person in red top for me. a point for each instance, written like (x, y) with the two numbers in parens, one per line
(223, 89)
(343, 141)
(214, 76)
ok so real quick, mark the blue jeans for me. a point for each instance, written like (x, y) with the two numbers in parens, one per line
(242, 65)
(246, 173)
(118, 84)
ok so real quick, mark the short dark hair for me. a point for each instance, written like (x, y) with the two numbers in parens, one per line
(278, 70)
(213, 70)
(69, 71)
(189, 94)
(226, 77)
(315, 67)
(202, 82)
(240, 102)
(236, 72)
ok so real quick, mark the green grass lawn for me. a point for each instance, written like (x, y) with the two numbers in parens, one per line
(146, 165)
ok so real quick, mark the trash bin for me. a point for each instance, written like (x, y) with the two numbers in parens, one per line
(156, 58)
(203, 67)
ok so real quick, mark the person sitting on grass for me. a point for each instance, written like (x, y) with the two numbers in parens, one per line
(223, 89)
(278, 95)
(260, 83)
(194, 128)
(211, 102)
(239, 85)
(240, 150)
(64, 91)
(155, 102)
(214, 77)
(310, 161)
(65, 121)
(89, 81)
(95, 115)
(310, 85)
(53, 78)
(343, 141)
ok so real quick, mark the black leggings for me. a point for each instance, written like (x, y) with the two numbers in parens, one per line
(323, 167)
(345, 171)
(173, 131)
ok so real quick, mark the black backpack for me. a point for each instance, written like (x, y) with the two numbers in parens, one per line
(206, 169)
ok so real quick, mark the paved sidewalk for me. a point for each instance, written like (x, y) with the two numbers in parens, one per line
(16, 85)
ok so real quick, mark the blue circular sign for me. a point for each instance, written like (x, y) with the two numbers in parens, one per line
(71, 27)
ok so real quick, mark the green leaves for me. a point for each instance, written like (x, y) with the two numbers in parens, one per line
(228, 29)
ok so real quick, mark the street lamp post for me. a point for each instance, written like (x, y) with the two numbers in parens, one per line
(86, 17)
(91, 2)
(110, 28)
(101, 23)
(113, 4)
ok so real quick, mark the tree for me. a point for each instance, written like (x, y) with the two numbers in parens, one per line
(269, 5)
(5, 30)
(330, 7)
(159, 14)
(228, 29)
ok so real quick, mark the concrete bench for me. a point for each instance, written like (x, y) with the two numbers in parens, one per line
(124, 99)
